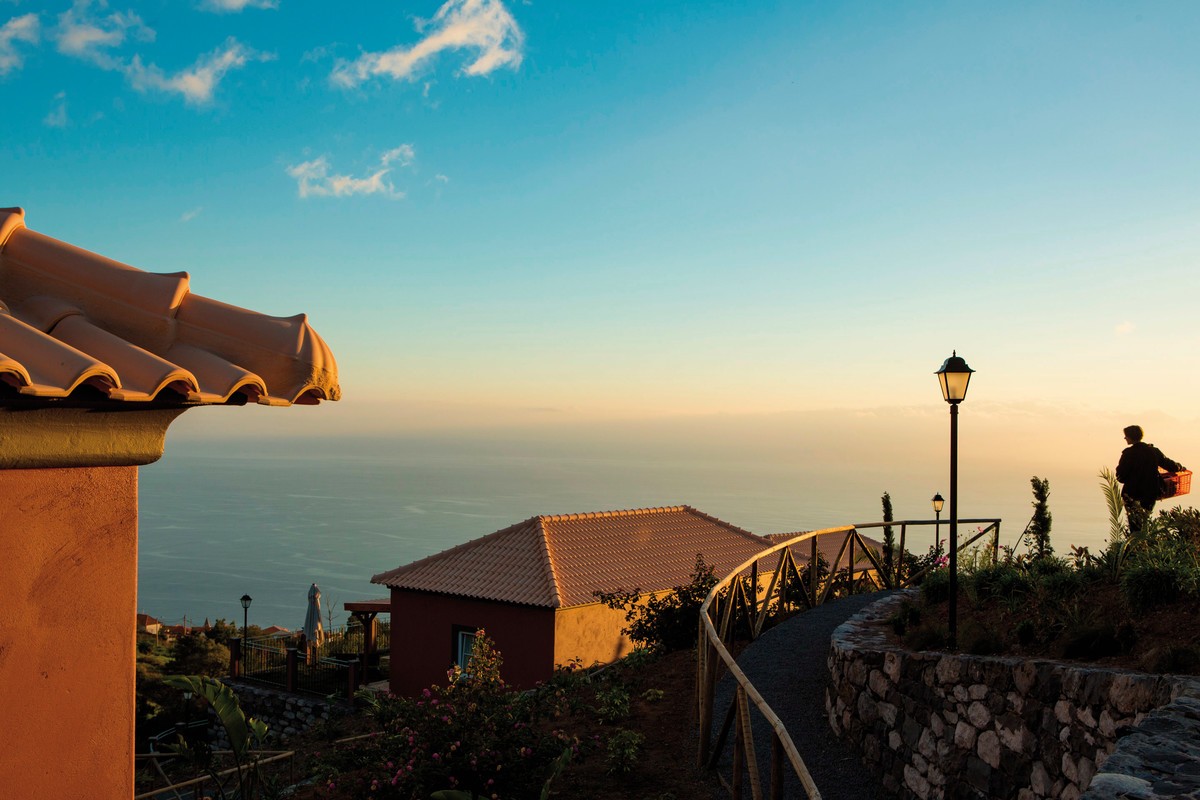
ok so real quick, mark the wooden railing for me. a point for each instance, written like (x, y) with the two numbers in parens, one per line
(738, 602)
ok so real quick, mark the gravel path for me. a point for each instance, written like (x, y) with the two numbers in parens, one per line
(787, 665)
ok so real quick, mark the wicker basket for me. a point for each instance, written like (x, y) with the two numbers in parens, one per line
(1176, 483)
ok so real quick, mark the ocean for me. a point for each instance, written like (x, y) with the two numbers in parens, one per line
(267, 518)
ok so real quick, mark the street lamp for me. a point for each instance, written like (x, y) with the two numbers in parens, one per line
(954, 377)
(938, 502)
(245, 620)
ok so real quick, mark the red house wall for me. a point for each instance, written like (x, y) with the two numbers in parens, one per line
(422, 638)
(69, 572)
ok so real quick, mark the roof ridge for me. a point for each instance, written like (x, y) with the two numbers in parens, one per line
(627, 512)
(470, 544)
(548, 563)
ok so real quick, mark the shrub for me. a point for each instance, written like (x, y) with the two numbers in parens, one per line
(667, 622)
(936, 586)
(906, 617)
(1148, 585)
(623, 749)
(1060, 586)
(1026, 632)
(472, 735)
(612, 703)
(980, 641)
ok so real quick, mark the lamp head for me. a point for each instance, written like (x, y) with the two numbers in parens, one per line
(954, 377)
(938, 502)
(246, 600)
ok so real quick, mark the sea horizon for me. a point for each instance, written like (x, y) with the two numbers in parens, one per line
(268, 518)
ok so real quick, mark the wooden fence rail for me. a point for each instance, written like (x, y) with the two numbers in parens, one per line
(740, 602)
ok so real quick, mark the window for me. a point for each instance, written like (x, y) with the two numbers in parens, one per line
(464, 644)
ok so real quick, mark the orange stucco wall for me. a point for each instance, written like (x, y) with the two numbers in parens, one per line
(590, 633)
(68, 569)
(423, 629)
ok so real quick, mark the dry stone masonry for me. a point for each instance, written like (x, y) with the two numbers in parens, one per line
(940, 725)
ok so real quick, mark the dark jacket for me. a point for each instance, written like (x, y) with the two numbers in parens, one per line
(1138, 472)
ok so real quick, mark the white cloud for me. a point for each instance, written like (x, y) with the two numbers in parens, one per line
(198, 82)
(85, 35)
(25, 28)
(484, 27)
(1124, 328)
(440, 178)
(234, 6)
(57, 118)
(313, 178)
(405, 154)
(188, 216)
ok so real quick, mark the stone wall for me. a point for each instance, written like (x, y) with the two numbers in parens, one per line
(959, 726)
(285, 714)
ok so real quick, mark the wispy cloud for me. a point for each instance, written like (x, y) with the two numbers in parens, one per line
(198, 82)
(85, 32)
(25, 28)
(57, 118)
(234, 6)
(89, 36)
(316, 179)
(485, 28)
(1124, 328)
(188, 216)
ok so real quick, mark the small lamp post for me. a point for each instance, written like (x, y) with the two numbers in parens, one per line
(954, 377)
(938, 502)
(245, 621)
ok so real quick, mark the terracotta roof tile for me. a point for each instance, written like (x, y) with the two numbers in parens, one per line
(559, 561)
(827, 545)
(70, 318)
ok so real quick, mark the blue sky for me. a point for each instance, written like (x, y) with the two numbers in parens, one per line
(512, 212)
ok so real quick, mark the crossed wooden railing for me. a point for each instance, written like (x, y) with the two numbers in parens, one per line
(738, 603)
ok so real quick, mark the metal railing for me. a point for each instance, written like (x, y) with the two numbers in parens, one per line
(340, 664)
(739, 601)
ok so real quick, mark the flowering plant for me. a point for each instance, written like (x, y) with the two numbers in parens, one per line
(472, 734)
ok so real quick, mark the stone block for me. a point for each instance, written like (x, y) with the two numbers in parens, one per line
(1063, 712)
(979, 715)
(892, 666)
(948, 669)
(964, 736)
(988, 748)
(878, 683)
(1024, 675)
(1039, 779)
(916, 783)
(887, 712)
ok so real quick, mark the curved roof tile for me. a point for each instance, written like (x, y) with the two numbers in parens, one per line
(70, 317)
(559, 561)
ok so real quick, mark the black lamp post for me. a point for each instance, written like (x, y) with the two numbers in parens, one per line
(245, 620)
(954, 377)
(938, 502)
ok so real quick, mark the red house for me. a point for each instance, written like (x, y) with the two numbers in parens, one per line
(531, 586)
(96, 360)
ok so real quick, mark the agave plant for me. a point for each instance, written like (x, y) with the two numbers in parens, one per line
(243, 733)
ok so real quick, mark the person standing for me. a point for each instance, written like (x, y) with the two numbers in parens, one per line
(1138, 473)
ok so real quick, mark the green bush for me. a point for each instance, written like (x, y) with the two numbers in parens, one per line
(936, 586)
(622, 750)
(1148, 585)
(472, 735)
(667, 622)
(929, 635)
(612, 703)
(906, 617)
(1061, 586)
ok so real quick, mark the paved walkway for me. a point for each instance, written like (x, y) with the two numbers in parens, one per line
(787, 665)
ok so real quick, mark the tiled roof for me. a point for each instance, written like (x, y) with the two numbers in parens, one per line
(559, 561)
(74, 323)
(827, 545)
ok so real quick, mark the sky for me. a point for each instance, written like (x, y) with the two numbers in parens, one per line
(688, 219)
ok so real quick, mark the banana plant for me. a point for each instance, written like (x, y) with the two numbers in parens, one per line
(243, 733)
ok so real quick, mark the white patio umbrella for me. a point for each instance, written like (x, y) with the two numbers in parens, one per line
(313, 632)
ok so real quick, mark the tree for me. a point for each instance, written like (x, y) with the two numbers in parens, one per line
(198, 655)
(1039, 526)
(889, 538)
